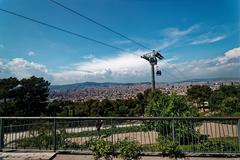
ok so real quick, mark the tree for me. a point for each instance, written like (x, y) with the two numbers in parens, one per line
(230, 91)
(28, 97)
(34, 94)
(6, 104)
(215, 100)
(199, 94)
(225, 100)
(230, 105)
(160, 104)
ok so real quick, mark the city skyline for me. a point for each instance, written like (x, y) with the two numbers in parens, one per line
(200, 39)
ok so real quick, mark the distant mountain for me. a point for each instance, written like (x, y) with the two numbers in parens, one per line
(208, 80)
(77, 86)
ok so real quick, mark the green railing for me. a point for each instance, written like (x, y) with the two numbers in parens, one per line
(216, 135)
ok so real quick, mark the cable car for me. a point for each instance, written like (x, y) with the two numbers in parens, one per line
(158, 72)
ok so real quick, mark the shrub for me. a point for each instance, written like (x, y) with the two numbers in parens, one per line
(129, 149)
(42, 138)
(101, 148)
(217, 146)
(169, 147)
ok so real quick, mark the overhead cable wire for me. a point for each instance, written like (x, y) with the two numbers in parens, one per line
(61, 29)
(170, 74)
(177, 70)
(99, 24)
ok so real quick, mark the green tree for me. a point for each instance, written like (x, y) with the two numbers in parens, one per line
(225, 100)
(199, 94)
(160, 104)
(7, 106)
(215, 100)
(230, 105)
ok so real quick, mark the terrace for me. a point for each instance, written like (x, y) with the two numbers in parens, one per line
(194, 136)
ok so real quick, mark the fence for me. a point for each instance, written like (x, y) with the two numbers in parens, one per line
(191, 134)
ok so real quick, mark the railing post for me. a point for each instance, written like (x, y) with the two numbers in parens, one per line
(1, 134)
(238, 132)
(173, 130)
(54, 135)
(112, 127)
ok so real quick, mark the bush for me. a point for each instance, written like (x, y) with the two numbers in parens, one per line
(129, 149)
(169, 148)
(42, 138)
(101, 148)
(217, 146)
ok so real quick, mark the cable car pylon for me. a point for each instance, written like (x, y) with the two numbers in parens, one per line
(152, 58)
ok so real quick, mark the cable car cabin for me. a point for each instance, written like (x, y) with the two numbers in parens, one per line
(158, 73)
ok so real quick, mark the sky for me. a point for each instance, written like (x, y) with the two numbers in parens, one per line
(198, 38)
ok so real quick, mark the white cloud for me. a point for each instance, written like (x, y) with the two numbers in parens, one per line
(229, 55)
(176, 32)
(129, 67)
(223, 66)
(125, 67)
(205, 39)
(21, 68)
(171, 36)
(31, 53)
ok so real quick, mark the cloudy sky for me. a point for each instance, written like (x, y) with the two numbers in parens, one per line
(199, 39)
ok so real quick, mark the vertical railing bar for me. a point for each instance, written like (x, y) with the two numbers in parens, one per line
(188, 137)
(81, 137)
(112, 127)
(207, 131)
(228, 134)
(54, 135)
(1, 134)
(238, 133)
(192, 140)
(173, 131)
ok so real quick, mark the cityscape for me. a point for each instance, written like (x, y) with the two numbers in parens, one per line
(129, 91)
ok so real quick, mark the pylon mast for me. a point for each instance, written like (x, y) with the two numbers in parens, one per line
(152, 59)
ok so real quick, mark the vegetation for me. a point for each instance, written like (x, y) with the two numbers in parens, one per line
(160, 104)
(129, 150)
(217, 146)
(225, 100)
(41, 137)
(29, 97)
(169, 147)
(101, 148)
(199, 94)
(23, 97)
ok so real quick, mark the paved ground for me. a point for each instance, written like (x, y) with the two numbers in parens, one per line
(26, 156)
(48, 156)
(88, 157)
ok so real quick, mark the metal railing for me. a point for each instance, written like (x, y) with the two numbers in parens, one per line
(192, 134)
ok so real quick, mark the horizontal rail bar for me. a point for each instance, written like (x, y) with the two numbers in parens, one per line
(124, 118)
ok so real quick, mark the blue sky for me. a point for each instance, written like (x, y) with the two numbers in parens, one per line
(200, 38)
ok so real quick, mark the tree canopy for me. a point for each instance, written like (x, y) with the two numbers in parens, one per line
(199, 93)
(26, 97)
